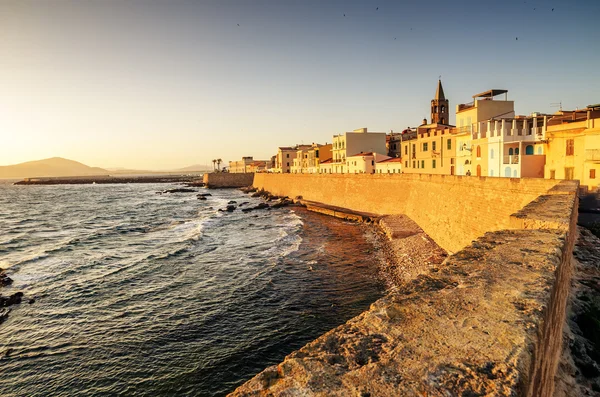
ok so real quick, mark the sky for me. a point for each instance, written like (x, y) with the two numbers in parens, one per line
(165, 84)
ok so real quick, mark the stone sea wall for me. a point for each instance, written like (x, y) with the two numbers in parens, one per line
(226, 180)
(487, 321)
(453, 210)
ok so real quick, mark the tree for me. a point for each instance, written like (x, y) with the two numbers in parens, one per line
(219, 161)
(214, 162)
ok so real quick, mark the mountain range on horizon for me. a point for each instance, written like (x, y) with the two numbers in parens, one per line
(60, 167)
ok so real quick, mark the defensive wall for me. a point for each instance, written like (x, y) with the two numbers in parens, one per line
(226, 179)
(487, 321)
(453, 210)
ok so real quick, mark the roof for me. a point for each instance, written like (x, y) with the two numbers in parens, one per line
(490, 93)
(439, 93)
(391, 160)
(329, 160)
(286, 148)
(362, 154)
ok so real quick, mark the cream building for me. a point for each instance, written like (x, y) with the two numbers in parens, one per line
(472, 118)
(573, 146)
(308, 158)
(364, 163)
(241, 166)
(391, 165)
(357, 141)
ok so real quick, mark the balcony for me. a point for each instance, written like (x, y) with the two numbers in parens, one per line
(511, 159)
(465, 129)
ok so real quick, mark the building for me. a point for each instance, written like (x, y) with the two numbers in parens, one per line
(258, 166)
(241, 166)
(431, 149)
(393, 144)
(515, 146)
(391, 165)
(357, 141)
(363, 163)
(572, 146)
(285, 159)
(325, 167)
(308, 158)
(472, 118)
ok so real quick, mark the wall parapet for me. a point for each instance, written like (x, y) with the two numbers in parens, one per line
(227, 180)
(488, 321)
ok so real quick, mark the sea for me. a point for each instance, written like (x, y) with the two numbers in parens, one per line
(145, 294)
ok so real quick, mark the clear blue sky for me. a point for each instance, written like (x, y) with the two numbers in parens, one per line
(164, 84)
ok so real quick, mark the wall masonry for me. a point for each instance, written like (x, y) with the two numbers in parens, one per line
(487, 321)
(225, 180)
(453, 210)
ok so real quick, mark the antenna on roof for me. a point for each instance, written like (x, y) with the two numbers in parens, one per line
(557, 105)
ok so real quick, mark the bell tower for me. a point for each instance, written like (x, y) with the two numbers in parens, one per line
(439, 106)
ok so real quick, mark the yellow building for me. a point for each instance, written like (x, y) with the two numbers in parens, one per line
(472, 118)
(241, 166)
(308, 158)
(431, 149)
(573, 146)
(350, 143)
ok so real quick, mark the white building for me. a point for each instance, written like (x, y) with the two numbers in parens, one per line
(350, 143)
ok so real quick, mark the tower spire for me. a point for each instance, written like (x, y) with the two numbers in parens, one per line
(439, 93)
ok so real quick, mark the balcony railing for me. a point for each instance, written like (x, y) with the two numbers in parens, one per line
(466, 128)
(511, 159)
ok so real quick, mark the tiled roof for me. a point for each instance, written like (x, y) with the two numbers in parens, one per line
(391, 160)
(362, 154)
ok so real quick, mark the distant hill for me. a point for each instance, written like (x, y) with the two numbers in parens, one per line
(55, 166)
(195, 167)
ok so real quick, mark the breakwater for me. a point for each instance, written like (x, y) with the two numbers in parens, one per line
(487, 321)
(108, 179)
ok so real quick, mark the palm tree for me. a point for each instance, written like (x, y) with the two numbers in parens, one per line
(214, 161)
(219, 161)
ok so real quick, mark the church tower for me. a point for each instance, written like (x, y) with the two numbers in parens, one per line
(439, 106)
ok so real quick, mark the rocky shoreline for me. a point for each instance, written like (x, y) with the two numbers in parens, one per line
(7, 301)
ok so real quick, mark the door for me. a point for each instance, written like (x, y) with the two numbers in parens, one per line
(478, 170)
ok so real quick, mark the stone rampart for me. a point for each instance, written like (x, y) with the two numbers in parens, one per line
(453, 210)
(488, 321)
(225, 180)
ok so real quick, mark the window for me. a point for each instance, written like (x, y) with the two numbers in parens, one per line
(432, 163)
(511, 151)
(569, 173)
(288, 164)
(433, 145)
(443, 110)
(317, 153)
(552, 174)
(422, 163)
(449, 144)
(593, 173)
(570, 147)
(425, 146)
(406, 149)
(478, 151)
(414, 149)
(287, 156)
(529, 149)
(413, 163)
(372, 162)
(491, 153)
(406, 164)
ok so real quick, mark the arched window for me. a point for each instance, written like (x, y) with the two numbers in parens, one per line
(467, 162)
(516, 150)
(492, 154)
(442, 121)
(443, 109)
(514, 173)
(529, 149)
(478, 151)
(510, 152)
